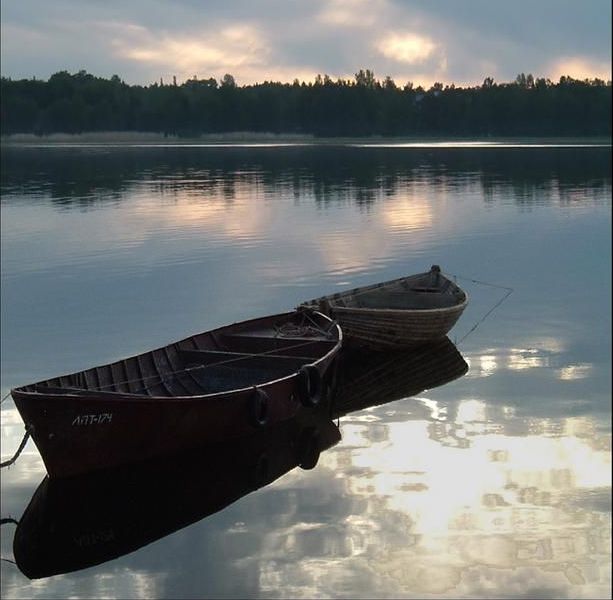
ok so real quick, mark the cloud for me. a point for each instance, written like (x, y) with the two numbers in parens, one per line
(274, 40)
(234, 47)
(406, 47)
(580, 67)
(351, 13)
(245, 50)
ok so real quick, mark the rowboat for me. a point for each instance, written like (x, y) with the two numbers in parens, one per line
(399, 313)
(77, 522)
(210, 386)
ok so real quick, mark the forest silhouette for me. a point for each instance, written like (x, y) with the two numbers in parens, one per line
(365, 106)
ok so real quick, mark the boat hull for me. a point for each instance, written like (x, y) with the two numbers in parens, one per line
(396, 314)
(395, 329)
(76, 435)
(77, 431)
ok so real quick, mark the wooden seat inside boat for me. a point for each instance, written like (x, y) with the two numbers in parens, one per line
(206, 363)
(189, 373)
(403, 300)
(260, 344)
(239, 360)
(217, 378)
(217, 370)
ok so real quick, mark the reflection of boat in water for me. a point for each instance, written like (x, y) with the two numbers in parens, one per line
(74, 523)
(372, 378)
(71, 524)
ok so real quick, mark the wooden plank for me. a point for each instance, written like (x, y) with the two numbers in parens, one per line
(151, 378)
(119, 376)
(213, 356)
(105, 379)
(185, 379)
(43, 389)
(91, 381)
(188, 344)
(256, 344)
(134, 378)
(164, 369)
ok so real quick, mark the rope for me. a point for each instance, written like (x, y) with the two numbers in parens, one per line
(318, 328)
(166, 376)
(502, 287)
(296, 330)
(358, 291)
(5, 397)
(303, 329)
(509, 291)
(287, 329)
(8, 463)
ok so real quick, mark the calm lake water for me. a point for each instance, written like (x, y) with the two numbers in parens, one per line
(492, 484)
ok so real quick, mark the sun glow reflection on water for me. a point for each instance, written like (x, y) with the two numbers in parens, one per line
(495, 484)
(454, 519)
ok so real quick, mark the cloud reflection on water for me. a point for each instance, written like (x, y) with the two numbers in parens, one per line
(496, 484)
(501, 512)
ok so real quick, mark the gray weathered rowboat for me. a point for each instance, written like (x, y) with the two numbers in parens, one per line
(399, 313)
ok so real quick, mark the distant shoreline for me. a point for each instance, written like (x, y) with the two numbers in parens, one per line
(127, 137)
(242, 138)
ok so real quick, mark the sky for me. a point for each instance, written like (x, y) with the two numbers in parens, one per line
(421, 41)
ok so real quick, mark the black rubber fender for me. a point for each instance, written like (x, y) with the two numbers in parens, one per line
(259, 407)
(309, 386)
(308, 449)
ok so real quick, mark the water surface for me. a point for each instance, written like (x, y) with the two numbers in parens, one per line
(496, 484)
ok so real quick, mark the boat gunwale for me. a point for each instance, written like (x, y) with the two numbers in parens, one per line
(400, 311)
(331, 298)
(105, 396)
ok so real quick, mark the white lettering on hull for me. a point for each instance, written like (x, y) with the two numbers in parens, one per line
(100, 419)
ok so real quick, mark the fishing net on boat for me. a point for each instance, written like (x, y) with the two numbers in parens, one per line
(306, 327)
(297, 330)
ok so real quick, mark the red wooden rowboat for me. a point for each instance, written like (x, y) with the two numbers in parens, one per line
(210, 386)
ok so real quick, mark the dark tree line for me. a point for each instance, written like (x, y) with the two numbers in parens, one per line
(364, 106)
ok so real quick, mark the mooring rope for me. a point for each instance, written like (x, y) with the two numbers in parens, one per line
(24, 441)
(5, 397)
(507, 289)
(502, 287)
